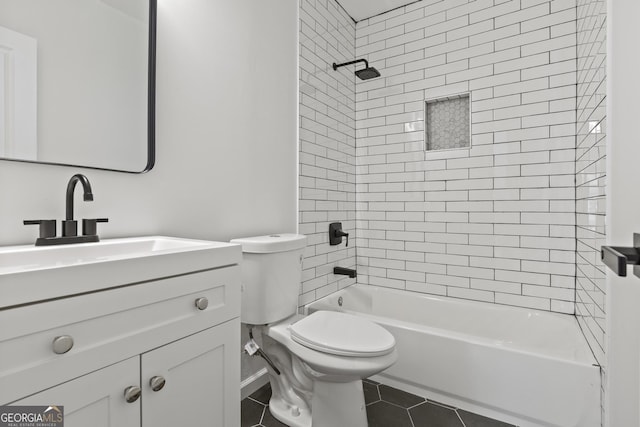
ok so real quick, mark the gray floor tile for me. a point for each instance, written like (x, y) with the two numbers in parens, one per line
(263, 394)
(385, 408)
(431, 415)
(270, 421)
(384, 414)
(250, 412)
(371, 393)
(399, 397)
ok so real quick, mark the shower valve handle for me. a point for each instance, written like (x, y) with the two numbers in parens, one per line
(336, 234)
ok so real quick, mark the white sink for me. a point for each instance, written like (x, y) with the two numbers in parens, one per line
(35, 273)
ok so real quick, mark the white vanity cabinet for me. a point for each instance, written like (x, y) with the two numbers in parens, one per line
(179, 335)
(95, 399)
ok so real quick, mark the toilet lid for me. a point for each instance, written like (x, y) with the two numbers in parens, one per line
(342, 334)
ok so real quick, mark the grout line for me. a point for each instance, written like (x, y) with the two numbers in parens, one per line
(460, 418)
(411, 419)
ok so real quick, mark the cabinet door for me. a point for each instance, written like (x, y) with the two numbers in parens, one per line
(96, 399)
(202, 380)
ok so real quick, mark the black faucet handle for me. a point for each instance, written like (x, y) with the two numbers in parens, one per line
(341, 233)
(90, 226)
(69, 228)
(47, 226)
(336, 234)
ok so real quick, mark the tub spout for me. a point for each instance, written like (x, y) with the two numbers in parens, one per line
(345, 271)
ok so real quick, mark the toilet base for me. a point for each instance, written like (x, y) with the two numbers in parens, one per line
(333, 404)
(292, 416)
(338, 404)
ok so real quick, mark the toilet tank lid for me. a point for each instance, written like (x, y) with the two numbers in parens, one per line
(272, 243)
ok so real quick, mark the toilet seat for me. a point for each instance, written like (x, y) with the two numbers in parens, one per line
(342, 334)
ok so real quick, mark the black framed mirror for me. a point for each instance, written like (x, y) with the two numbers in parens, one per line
(77, 83)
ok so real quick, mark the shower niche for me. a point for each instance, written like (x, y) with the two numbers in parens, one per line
(448, 122)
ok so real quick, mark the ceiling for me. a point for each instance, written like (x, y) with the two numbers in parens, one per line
(363, 9)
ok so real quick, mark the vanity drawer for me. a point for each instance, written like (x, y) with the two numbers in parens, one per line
(107, 327)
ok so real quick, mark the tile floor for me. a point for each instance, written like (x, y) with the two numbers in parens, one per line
(386, 407)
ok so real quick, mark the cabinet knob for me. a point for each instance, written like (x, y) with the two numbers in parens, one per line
(157, 383)
(132, 393)
(62, 344)
(202, 303)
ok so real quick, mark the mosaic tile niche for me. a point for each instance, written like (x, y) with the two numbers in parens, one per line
(447, 123)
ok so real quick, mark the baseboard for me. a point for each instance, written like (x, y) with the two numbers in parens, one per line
(253, 383)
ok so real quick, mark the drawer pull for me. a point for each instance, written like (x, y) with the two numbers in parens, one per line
(62, 344)
(157, 383)
(202, 303)
(132, 393)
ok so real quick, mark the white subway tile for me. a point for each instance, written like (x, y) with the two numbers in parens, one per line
(470, 30)
(548, 218)
(470, 250)
(470, 162)
(523, 301)
(440, 279)
(522, 15)
(495, 240)
(495, 171)
(523, 277)
(469, 184)
(471, 206)
(472, 294)
(495, 148)
(427, 267)
(494, 217)
(549, 94)
(427, 288)
(522, 229)
(471, 228)
(549, 267)
(522, 158)
(447, 238)
(521, 86)
(502, 263)
(470, 74)
(497, 80)
(493, 35)
(496, 286)
(552, 44)
(549, 20)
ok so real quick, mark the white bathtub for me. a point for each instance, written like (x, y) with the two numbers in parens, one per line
(526, 367)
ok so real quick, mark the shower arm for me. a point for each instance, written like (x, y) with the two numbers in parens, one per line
(336, 66)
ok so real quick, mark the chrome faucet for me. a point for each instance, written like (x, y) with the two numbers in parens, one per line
(69, 225)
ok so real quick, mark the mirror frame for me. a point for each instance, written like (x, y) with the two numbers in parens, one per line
(151, 106)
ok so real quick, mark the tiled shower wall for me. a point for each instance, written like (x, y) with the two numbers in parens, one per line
(327, 144)
(590, 173)
(495, 222)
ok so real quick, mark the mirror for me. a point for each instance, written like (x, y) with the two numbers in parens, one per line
(77, 83)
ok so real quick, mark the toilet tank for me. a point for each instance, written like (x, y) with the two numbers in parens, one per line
(271, 272)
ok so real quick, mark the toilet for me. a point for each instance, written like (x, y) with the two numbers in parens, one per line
(321, 358)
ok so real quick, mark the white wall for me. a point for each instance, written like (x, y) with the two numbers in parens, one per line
(623, 211)
(226, 135)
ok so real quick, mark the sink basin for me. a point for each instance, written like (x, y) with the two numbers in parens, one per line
(30, 274)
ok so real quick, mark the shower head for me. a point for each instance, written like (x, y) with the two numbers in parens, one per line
(367, 73)
(364, 74)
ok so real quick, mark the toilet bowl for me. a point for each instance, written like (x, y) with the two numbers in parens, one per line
(319, 360)
(322, 367)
